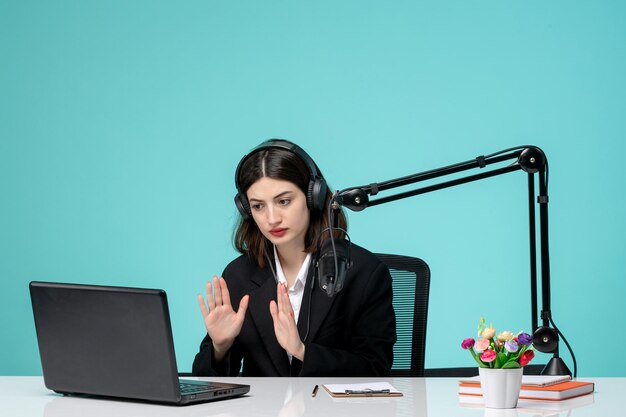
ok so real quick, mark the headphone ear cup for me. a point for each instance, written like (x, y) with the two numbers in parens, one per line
(316, 195)
(243, 206)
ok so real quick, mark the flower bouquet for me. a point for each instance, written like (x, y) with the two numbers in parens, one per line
(500, 361)
(505, 350)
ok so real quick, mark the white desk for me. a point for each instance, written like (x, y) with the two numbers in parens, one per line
(28, 397)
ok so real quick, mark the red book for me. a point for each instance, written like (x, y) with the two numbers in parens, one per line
(536, 407)
(555, 392)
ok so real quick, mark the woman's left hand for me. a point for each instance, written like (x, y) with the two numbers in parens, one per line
(285, 324)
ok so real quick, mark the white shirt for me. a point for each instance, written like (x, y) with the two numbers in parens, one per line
(297, 289)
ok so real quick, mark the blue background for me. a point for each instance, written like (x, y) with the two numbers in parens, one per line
(121, 124)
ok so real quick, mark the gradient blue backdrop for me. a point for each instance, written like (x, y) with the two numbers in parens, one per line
(121, 123)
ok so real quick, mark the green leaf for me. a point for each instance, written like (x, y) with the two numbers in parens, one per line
(511, 364)
(500, 359)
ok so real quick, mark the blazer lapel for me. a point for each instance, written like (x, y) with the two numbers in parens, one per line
(304, 306)
(259, 307)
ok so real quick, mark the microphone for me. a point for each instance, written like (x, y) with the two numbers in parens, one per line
(546, 339)
(332, 265)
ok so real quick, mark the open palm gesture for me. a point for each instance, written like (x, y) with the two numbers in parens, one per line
(223, 324)
(285, 325)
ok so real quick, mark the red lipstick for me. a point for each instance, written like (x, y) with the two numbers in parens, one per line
(278, 231)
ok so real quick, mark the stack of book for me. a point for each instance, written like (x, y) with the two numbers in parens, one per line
(537, 391)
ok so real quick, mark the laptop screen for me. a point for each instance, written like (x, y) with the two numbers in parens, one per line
(109, 341)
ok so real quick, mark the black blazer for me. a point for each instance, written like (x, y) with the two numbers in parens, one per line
(351, 334)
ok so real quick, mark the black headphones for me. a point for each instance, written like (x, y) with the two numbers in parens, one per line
(316, 190)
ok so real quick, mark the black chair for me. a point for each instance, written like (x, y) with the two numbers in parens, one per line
(411, 285)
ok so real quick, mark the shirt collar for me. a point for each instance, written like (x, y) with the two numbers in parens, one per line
(300, 278)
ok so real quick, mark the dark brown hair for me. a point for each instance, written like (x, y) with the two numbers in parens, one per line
(280, 164)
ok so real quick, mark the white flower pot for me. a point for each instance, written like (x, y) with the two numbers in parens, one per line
(500, 387)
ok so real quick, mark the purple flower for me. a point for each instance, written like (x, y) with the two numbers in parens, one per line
(524, 339)
(511, 346)
(468, 343)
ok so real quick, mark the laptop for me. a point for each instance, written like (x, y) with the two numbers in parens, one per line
(113, 342)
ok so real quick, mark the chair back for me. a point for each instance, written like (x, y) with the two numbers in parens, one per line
(411, 285)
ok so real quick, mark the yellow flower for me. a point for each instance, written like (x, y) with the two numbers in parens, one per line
(505, 336)
(489, 332)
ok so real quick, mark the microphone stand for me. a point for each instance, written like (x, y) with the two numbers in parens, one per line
(529, 159)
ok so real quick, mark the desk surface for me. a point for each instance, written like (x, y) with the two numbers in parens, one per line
(28, 397)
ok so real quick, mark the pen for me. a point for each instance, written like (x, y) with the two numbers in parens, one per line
(314, 393)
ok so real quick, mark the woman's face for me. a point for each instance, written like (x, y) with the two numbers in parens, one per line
(280, 212)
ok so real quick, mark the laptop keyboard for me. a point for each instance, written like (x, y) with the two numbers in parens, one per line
(187, 388)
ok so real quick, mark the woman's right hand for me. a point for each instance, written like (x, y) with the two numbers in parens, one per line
(222, 323)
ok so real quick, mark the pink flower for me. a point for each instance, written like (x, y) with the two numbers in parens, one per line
(481, 345)
(526, 357)
(488, 356)
(467, 343)
(504, 350)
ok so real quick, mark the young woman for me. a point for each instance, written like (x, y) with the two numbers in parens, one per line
(268, 309)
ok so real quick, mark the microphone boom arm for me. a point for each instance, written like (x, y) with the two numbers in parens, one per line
(530, 159)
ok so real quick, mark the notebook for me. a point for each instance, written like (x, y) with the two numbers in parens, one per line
(113, 342)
